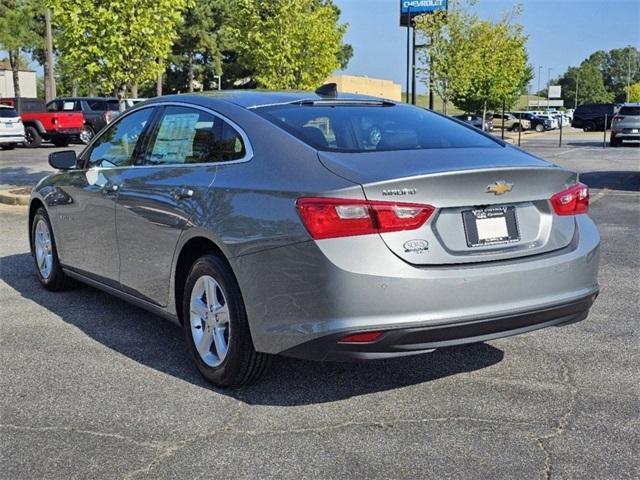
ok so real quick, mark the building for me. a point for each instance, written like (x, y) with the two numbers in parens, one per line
(375, 87)
(27, 79)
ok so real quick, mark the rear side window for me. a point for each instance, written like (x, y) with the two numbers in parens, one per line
(97, 105)
(8, 113)
(633, 111)
(186, 136)
(359, 128)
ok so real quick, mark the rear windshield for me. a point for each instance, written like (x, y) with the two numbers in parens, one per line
(8, 113)
(629, 111)
(360, 128)
(103, 105)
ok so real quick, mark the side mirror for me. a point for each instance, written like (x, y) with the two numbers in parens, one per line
(64, 160)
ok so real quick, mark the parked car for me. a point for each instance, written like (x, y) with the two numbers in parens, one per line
(97, 112)
(11, 128)
(591, 117)
(39, 125)
(276, 223)
(553, 121)
(626, 124)
(476, 121)
(538, 123)
(510, 122)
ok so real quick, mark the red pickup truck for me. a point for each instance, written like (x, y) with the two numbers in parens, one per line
(58, 127)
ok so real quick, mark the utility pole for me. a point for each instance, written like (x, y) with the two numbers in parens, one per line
(408, 48)
(538, 92)
(577, 82)
(548, 84)
(628, 74)
(50, 90)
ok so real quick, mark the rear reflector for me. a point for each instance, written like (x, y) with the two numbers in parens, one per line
(341, 217)
(572, 201)
(364, 337)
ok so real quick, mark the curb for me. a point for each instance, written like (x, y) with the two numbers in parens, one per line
(14, 196)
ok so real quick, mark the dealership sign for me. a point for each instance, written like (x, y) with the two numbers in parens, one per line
(412, 8)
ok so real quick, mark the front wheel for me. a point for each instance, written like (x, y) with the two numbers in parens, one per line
(45, 254)
(86, 134)
(539, 128)
(8, 146)
(216, 326)
(516, 128)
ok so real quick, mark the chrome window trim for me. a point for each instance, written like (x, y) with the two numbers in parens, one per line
(245, 138)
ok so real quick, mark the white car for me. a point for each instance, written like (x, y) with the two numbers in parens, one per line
(11, 128)
(551, 118)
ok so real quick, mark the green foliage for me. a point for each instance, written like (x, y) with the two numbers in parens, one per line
(601, 78)
(289, 44)
(198, 48)
(17, 32)
(477, 64)
(634, 92)
(115, 43)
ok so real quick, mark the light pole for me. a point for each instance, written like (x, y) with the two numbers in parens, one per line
(548, 84)
(628, 73)
(577, 83)
(538, 92)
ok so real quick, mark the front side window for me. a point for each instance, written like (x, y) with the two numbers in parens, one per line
(357, 128)
(186, 136)
(115, 148)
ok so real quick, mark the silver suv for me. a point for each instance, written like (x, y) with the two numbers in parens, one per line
(626, 124)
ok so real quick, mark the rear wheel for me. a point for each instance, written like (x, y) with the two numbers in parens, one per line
(45, 254)
(516, 128)
(86, 134)
(539, 128)
(216, 327)
(8, 146)
(32, 138)
(589, 127)
(614, 142)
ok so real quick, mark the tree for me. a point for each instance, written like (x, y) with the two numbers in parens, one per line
(634, 92)
(201, 39)
(590, 85)
(618, 67)
(115, 44)
(477, 64)
(17, 33)
(289, 44)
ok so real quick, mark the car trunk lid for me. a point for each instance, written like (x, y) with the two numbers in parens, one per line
(492, 203)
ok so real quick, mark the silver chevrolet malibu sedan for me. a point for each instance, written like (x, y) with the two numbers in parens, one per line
(317, 225)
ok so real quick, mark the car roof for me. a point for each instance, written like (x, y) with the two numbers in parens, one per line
(109, 99)
(261, 98)
(630, 104)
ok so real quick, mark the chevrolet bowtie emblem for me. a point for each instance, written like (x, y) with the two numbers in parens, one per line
(499, 188)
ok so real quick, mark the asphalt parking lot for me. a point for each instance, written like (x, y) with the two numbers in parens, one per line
(91, 387)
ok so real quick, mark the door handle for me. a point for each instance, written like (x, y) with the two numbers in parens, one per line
(110, 188)
(181, 193)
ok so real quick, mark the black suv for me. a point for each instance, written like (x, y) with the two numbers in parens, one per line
(97, 111)
(591, 117)
(538, 124)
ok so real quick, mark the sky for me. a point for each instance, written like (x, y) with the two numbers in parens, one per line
(561, 33)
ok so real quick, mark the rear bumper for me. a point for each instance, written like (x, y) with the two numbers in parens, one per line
(11, 139)
(620, 135)
(302, 298)
(409, 341)
(63, 132)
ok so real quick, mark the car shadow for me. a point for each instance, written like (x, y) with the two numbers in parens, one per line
(159, 344)
(612, 180)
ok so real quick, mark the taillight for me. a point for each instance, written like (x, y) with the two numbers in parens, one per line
(617, 118)
(572, 201)
(341, 217)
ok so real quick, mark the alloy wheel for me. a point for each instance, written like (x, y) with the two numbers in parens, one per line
(44, 249)
(209, 319)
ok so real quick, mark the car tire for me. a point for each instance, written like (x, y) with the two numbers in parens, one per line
(539, 128)
(516, 128)
(61, 142)
(614, 142)
(87, 134)
(589, 127)
(8, 146)
(45, 254)
(32, 138)
(216, 329)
